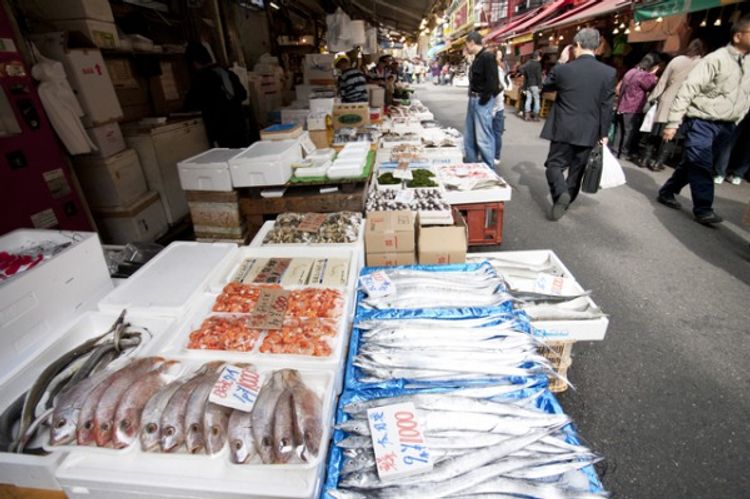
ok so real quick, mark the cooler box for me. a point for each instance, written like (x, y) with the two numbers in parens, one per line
(108, 139)
(265, 163)
(208, 171)
(142, 221)
(112, 181)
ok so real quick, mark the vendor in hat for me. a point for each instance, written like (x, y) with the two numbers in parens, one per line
(352, 84)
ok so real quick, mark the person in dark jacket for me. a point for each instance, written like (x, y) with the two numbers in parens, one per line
(579, 118)
(218, 94)
(479, 139)
(532, 84)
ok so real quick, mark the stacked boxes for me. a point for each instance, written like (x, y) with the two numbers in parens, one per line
(93, 18)
(443, 244)
(389, 238)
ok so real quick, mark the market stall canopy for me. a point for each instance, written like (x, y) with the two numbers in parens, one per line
(494, 35)
(585, 12)
(545, 13)
(435, 50)
(404, 15)
(661, 8)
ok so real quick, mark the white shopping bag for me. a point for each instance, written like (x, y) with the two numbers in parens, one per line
(648, 120)
(612, 174)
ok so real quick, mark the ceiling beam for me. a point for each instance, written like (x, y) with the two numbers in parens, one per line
(389, 5)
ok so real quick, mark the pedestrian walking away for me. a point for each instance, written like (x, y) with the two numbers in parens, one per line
(634, 89)
(580, 117)
(532, 83)
(498, 121)
(713, 98)
(734, 158)
(479, 141)
(657, 150)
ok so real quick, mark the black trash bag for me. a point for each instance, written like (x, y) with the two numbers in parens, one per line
(592, 176)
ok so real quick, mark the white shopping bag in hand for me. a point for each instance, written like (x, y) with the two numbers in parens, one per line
(612, 174)
(648, 121)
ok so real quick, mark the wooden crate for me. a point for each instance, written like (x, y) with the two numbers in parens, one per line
(485, 222)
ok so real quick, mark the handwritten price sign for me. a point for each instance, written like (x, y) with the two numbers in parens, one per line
(237, 387)
(377, 284)
(270, 309)
(551, 284)
(398, 441)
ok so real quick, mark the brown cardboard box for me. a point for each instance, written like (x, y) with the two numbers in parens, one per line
(352, 115)
(389, 232)
(390, 259)
(443, 244)
(319, 138)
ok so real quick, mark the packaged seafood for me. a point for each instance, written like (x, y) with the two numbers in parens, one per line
(469, 177)
(224, 333)
(305, 302)
(422, 200)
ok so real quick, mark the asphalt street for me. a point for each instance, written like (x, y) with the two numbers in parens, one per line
(664, 397)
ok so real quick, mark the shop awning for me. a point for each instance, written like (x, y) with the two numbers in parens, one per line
(435, 50)
(546, 11)
(588, 11)
(510, 25)
(651, 9)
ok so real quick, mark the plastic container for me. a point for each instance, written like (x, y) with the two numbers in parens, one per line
(557, 330)
(265, 163)
(484, 221)
(25, 470)
(313, 171)
(136, 473)
(34, 303)
(346, 168)
(167, 284)
(208, 171)
(320, 156)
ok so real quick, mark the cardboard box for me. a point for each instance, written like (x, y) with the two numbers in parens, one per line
(443, 244)
(319, 138)
(117, 180)
(108, 139)
(389, 231)
(102, 33)
(376, 95)
(352, 115)
(318, 69)
(282, 131)
(74, 9)
(316, 121)
(390, 259)
(87, 75)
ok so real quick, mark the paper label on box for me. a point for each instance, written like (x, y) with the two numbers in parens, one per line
(549, 284)
(272, 271)
(403, 172)
(45, 219)
(7, 45)
(312, 222)
(270, 309)
(377, 284)
(336, 272)
(298, 272)
(406, 196)
(57, 183)
(398, 441)
(316, 274)
(237, 387)
(249, 270)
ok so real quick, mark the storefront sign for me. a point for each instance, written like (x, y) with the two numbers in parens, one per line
(663, 8)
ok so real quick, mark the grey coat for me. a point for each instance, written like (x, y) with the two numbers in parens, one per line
(665, 91)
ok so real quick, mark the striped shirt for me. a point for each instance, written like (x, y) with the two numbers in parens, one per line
(353, 86)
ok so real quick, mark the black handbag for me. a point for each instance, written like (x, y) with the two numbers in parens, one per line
(592, 176)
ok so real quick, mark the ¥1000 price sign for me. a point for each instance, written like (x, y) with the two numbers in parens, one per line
(398, 441)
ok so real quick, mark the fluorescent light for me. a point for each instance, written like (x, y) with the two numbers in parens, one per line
(274, 6)
(638, 26)
(627, 31)
(659, 19)
(615, 31)
(717, 22)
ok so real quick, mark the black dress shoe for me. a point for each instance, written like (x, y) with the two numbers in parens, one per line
(655, 167)
(669, 201)
(710, 218)
(560, 207)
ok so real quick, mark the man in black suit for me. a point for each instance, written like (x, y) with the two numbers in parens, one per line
(580, 117)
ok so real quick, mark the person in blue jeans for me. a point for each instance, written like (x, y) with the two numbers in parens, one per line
(479, 139)
(498, 121)
(715, 96)
(735, 157)
(532, 83)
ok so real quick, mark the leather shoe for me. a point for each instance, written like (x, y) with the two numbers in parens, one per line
(560, 207)
(709, 218)
(669, 201)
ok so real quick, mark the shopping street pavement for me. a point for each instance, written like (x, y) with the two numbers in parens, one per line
(665, 396)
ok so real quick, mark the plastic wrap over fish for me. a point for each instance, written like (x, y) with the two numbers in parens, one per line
(544, 401)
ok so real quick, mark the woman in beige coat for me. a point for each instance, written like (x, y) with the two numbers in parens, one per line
(657, 151)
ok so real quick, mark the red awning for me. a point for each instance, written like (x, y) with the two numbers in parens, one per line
(546, 11)
(510, 25)
(586, 12)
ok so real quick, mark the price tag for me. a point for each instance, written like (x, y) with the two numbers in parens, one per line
(406, 196)
(398, 441)
(377, 284)
(550, 284)
(237, 387)
(270, 309)
(312, 222)
(402, 171)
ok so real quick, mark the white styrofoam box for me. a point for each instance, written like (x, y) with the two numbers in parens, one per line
(346, 168)
(87, 75)
(493, 195)
(114, 181)
(295, 115)
(319, 61)
(74, 9)
(38, 471)
(265, 163)
(313, 171)
(137, 474)
(168, 283)
(102, 33)
(317, 121)
(445, 154)
(377, 95)
(558, 330)
(322, 105)
(108, 139)
(142, 221)
(34, 303)
(208, 171)
(322, 155)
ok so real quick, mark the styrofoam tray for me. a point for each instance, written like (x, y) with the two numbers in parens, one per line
(26, 470)
(312, 171)
(167, 284)
(559, 330)
(136, 473)
(493, 195)
(346, 169)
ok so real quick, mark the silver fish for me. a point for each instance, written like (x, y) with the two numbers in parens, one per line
(68, 408)
(308, 417)
(216, 424)
(151, 415)
(263, 413)
(284, 437)
(195, 410)
(240, 435)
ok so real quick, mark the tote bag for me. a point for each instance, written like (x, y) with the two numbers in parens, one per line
(612, 173)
